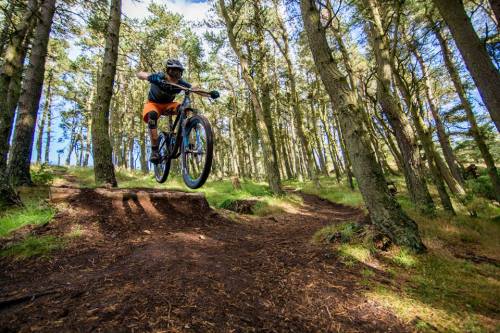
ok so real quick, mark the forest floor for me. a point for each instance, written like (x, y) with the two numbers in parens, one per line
(143, 259)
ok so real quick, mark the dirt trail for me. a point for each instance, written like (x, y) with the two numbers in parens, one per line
(163, 261)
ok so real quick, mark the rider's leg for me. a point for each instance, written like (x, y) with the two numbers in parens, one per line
(172, 108)
(152, 125)
(152, 117)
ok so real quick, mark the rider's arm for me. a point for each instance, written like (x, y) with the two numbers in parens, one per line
(201, 92)
(155, 78)
(142, 75)
(196, 90)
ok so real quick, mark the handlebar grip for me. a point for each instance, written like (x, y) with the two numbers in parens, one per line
(214, 94)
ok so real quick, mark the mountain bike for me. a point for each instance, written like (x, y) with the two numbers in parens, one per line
(190, 137)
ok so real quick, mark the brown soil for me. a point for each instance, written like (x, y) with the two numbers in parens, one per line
(164, 261)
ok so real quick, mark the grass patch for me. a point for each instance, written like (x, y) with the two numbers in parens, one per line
(35, 210)
(403, 258)
(367, 273)
(355, 251)
(437, 290)
(41, 174)
(33, 246)
(343, 232)
(441, 291)
(31, 214)
(444, 292)
(331, 190)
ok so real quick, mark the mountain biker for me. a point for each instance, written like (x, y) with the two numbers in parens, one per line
(161, 99)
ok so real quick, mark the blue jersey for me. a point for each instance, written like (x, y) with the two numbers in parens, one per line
(166, 94)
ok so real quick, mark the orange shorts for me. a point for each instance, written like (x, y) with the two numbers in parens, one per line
(160, 108)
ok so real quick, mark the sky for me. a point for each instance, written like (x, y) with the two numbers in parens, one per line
(193, 10)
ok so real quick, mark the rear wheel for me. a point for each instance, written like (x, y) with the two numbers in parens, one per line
(197, 151)
(163, 168)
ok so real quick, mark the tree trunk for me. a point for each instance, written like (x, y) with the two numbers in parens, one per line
(473, 51)
(332, 148)
(72, 142)
(131, 145)
(22, 145)
(495, 7)
(427, 142)
(429, 148)
(10, 79)
(474, 129)
(88, 136)
(345, 155)
(263, 82)
(408, 145)
(232, 135)
(142, 143)
(41, 126)
(270, 162)
(48, 136)
(385, 212)
(297, 107)
(7, 27)
(442, 136)
(101, 146)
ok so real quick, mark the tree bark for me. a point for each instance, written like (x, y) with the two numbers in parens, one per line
(433, 158)
(495, 7)
(142, 143)
(10, 79)
(408, 145)
(385, 212)
(48, 136)
(296, 106)
(101, 146)
(473, 51)
(41, 126)
(345, 155)
(474, 129)
(7, 27)
(270, 162)
(22, 145)
(413, 106)
(441, 132)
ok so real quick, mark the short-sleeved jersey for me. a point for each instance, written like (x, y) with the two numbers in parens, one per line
(158, 94)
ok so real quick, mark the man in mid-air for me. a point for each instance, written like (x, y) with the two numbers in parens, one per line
(161, 99)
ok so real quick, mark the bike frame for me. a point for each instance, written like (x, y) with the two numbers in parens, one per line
(179, 122)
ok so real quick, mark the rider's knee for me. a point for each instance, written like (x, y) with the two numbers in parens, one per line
(152, 119)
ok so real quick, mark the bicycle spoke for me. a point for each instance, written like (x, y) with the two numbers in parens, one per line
(196, 151)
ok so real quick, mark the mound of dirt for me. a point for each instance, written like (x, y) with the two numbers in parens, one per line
(242, 206)
(150, 260)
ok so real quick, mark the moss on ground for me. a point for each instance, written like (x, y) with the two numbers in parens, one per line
(33, 246)
(330, 190)
(35, 210)
(439, 290)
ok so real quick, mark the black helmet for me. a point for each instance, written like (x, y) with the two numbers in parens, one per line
(174, 63)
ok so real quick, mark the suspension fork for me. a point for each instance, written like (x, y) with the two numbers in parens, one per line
(180, 124)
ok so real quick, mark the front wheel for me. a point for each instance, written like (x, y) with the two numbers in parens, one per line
(197, 151)
(163, 168)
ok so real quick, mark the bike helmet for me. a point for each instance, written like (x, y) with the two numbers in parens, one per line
(174, 63)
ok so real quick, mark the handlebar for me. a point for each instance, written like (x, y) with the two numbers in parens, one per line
(165, 82)
(189, 89)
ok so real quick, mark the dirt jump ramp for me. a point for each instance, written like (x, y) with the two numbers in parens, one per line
(131, 210)
(141, 260)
